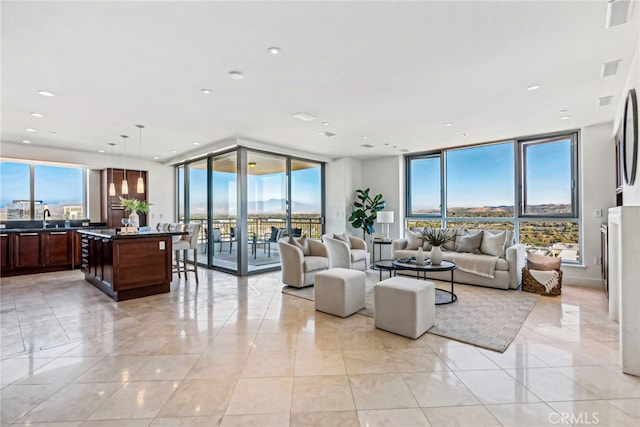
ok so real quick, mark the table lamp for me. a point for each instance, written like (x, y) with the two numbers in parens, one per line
(385, 218)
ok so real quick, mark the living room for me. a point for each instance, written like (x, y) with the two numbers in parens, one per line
(381, 91)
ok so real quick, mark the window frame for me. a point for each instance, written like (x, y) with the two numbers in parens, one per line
(519, 187)
(32, 180)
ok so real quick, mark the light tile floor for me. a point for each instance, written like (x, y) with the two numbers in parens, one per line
(237, 352)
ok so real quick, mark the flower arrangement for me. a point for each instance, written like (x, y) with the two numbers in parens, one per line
(437, 236)
(135, 205)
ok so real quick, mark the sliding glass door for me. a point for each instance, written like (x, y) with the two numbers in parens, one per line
(245, 201)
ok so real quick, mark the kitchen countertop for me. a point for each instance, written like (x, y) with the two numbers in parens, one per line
(36, 229)
(114, 233)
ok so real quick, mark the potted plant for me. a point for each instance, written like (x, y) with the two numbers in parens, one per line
(437, 237)
(365, 211)
(135, 206)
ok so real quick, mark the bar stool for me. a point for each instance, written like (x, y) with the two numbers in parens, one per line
(185, 243)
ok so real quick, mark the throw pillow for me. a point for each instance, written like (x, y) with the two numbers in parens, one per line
(343, 238)
(301, 244)
(493, 244)
(470, 242)
(414, 240)
(454, 234)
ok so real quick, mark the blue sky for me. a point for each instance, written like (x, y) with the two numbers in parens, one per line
(484, 176)
(53, 184)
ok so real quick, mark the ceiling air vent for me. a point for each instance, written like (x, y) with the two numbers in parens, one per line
(604, 101)
(618, 12)
(404, 150)
(305, 117)
(367, 146)
(610, 68)
(327, 134)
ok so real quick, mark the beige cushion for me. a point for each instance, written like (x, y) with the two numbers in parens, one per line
(455, 233)
(358, 255)
(493, 244)
(343, 238)
(470, 241)
(542, 262)
(313, 263)
(300, 243)
(414, 240)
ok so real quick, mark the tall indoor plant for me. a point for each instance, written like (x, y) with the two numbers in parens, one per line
(365, 211)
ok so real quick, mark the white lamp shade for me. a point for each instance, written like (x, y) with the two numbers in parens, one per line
(125, 187)
(385, 217)
(112, 189)
(140, 185)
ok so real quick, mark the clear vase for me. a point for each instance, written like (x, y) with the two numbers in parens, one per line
(134, 219)
(436, 255)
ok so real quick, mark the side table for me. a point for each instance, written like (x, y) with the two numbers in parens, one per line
(379, 244)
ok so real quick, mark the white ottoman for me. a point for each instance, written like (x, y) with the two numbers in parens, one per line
(405, 306)
(340, 291)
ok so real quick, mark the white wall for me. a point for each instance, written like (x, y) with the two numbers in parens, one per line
(597, 192)
(161, 188)
(343, 178)
(631, 194)
(385, 175)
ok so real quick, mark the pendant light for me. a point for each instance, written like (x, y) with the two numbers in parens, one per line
(140, 185)
(125, 184)
(112, 186)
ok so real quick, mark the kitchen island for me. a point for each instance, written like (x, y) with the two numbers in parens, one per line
(126, 266)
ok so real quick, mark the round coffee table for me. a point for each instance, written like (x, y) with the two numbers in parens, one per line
(442, 296)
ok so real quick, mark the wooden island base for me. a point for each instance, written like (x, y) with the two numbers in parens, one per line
(126, 266)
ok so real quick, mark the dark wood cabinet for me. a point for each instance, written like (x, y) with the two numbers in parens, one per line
(28, 250)
(6, 251)
(58, 247)
(112, 210)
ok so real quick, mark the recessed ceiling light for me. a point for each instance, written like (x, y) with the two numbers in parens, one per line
(30, 130)
(367, 146)
(565, 117)
(448, 124)
(195, 143)
(465, 134)
(26, 141)
(236, 75)
(305, 117)
(274, 50)
(386, 143)
(325, 123)
(173, 151)
(404, 150)
(533, 87)
(365, 137)
(205, 91)
(45, 93)
(100, 151)
(54, 133)
(156, 158)
(37, 115)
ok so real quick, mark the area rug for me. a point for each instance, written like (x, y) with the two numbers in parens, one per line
(485, 317)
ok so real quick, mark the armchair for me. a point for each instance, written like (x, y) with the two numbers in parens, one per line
(352, 255)
(298, 269)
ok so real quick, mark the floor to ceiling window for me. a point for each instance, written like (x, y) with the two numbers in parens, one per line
(527, 185)
(246, 200)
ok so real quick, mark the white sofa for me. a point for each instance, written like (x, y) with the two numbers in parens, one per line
(352, 255)
(507, 259)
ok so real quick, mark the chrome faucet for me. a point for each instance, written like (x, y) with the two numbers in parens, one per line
(45, 214)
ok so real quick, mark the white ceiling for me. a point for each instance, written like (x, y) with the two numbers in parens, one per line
(393, 71)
